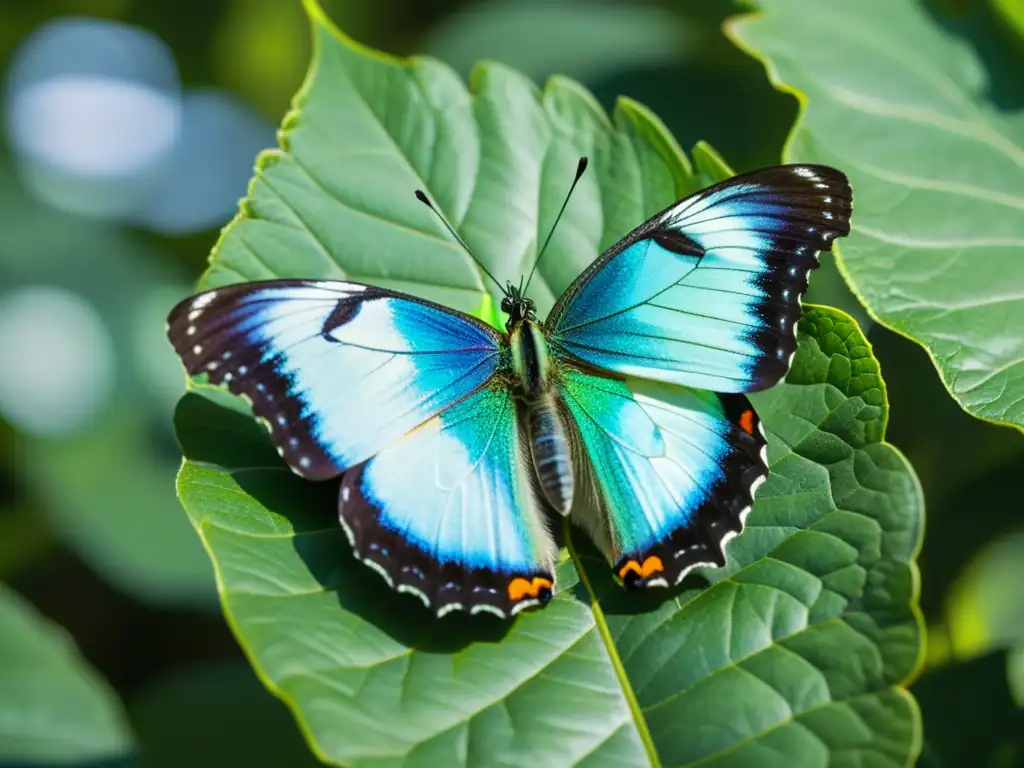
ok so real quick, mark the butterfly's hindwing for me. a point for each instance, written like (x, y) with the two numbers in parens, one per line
(448, 514)
(337, 370)
(676, 471)
(707, 293)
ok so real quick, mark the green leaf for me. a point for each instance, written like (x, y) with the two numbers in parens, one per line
(810, 625)
(984, 612)
(1012, 14)
(54, 708)
(937, 175)
(796, 651)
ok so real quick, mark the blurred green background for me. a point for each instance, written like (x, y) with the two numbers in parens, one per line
(108, 208)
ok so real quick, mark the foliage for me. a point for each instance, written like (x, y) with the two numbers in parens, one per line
(811, 627)
(136, 537)
(937, 172)
(797, 653)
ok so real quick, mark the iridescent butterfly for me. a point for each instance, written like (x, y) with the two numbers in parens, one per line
(623, 409)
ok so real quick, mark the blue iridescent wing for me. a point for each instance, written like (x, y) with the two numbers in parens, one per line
(675, 471)
(448, 513)
(707, 293)
(336, 370)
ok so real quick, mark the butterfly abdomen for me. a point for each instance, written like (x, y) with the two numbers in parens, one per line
(552, 460)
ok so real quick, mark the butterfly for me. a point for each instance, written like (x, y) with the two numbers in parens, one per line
(624, 409)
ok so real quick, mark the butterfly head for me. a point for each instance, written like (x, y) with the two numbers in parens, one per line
(518, 308)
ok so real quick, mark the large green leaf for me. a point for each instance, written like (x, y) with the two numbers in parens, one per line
(899, 103)
(54, 709)
(797, 650)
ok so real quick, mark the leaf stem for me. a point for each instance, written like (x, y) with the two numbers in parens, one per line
(613, 652)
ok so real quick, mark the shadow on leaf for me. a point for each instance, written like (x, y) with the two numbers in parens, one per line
(211, 429)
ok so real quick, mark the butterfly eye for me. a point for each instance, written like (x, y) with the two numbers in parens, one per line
(506, 305)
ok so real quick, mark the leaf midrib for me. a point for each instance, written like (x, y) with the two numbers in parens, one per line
(613, 652)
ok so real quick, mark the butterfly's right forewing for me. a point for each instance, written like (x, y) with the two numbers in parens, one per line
(337, 370)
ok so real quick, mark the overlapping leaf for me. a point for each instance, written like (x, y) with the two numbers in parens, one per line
(54, 709)
(794, 653)
(898, 103)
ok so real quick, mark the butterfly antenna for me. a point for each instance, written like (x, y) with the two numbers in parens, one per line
(580, 168)
(422, 197)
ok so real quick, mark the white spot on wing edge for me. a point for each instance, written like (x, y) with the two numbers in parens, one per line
(348, 531)
(379, 569)
(683, 573)
(444, 610)
(203, 300)
(410, 590)
(522, 605)
(729, 536)
(335, 285)
(755, 485)
(487, 608)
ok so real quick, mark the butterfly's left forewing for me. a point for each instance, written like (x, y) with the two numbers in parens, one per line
(675, 471)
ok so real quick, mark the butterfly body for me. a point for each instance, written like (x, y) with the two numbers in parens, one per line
(536, 384)
(623, 410)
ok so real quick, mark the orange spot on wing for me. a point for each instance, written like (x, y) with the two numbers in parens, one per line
(747, 421)
(633, 566)
(520, 588)
(651, 566)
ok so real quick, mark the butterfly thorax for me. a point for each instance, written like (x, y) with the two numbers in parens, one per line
(549, 445)
(530, 358)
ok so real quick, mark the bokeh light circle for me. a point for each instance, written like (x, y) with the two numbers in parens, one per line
(59, 362)
(93, 113)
